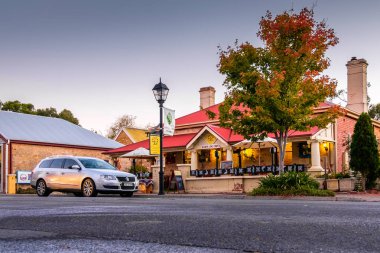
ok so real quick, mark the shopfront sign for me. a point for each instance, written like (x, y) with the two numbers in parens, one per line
(209, 142)
(23, 177)
(210, 146)
(154, 144)
(226, 165)
(176, 181)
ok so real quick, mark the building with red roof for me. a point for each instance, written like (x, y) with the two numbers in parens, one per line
(200, 143)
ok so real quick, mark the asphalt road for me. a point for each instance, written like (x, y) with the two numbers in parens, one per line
(142, 224)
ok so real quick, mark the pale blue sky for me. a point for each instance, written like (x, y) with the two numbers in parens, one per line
(101, 59)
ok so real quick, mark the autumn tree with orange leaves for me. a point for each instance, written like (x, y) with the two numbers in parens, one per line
(275, 88)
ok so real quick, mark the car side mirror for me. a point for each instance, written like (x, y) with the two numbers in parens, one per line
(75, 167)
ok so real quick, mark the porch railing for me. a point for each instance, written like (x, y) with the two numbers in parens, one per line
(250, 170)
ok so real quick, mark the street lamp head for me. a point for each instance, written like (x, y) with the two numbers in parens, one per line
(160, 92)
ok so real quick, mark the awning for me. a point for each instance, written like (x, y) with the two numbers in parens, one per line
(169, 142)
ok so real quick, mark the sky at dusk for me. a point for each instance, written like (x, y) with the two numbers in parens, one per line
(101, 59)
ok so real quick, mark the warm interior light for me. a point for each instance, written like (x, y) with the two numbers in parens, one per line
(325, 146)
(248, 152)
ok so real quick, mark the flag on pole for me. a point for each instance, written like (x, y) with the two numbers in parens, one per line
(169, 121)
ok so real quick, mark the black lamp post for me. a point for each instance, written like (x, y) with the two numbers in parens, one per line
(160, 92)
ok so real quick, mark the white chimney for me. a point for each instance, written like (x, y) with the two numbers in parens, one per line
(357, 85)
(207, 97)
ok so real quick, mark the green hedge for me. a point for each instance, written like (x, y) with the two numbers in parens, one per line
(138, 169)
(289, 184)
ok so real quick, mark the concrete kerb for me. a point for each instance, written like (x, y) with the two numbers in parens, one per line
(338, 197)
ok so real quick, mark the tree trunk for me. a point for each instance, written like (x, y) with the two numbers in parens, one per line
(281, 138)
(364, 180)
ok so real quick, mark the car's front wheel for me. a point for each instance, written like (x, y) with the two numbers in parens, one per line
(126, 194)
(88, 188)
(42, 189)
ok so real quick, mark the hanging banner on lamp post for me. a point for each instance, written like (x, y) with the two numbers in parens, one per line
(169, 121)
(154, 144)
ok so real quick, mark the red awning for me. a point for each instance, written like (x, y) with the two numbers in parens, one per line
(175, 141)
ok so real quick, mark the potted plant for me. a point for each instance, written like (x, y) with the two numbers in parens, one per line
(340, 182)
(333, 183)
(346, 183)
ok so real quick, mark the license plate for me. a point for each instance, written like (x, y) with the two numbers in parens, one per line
(126, 184)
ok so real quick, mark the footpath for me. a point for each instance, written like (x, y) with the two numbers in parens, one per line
(340, 196)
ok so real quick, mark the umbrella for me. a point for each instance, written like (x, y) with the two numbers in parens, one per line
(267, 142)
(140, 153)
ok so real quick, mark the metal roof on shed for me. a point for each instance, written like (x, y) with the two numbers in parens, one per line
(26, 127)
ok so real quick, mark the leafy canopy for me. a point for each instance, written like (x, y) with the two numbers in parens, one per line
(17, 106)
(374, 111)
(275, 88)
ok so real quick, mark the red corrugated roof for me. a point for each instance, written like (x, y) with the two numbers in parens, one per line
(199, 116)
(292, 133)
(229, 136)
(226, 134)
(168, 142)
(311, 132)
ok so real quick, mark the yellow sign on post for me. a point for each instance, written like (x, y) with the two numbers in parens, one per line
(154, 144)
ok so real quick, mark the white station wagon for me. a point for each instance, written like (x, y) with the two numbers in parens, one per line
(83, 176)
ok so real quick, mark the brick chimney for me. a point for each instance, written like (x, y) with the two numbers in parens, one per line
(207, 97)
(357, 85)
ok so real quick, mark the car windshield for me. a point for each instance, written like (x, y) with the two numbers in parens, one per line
(96, 164)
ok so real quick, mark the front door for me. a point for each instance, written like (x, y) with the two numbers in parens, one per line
(70, 178)
(53, 174)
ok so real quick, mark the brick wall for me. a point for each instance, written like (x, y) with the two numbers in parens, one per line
(346, 127)
(27, 156)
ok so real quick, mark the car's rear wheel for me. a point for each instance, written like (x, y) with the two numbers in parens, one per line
(42, 189)
(126, 194)
(88, 188)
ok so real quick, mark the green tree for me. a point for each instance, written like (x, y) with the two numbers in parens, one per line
(122, 122)
(374, 111)
(17, 106)
(275, 88)
(48, 112)
(364, 151)
(69, 116)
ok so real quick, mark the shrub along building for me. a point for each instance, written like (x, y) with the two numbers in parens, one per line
(26, 139)
(200, 144)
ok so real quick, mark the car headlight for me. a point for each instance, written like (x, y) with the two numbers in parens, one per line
(108, 177)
